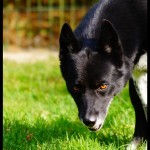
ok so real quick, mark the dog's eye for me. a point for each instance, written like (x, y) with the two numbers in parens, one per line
(78, 88)
(102, 86)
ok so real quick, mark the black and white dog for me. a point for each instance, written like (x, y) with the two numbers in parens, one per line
(107, 49)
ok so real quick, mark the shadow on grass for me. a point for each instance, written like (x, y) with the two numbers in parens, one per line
(19, 135)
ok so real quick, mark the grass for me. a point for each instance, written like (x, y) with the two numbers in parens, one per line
(39, 114)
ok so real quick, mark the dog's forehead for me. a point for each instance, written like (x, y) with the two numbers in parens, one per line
(85, 53)
(92, 66)
(84, 58)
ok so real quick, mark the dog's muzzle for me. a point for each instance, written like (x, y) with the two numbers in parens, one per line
(92, 123)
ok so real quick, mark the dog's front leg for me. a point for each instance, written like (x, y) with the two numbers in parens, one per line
(141, 123)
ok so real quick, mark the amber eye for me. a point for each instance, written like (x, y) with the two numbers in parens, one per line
(102, 86)
(76, 89)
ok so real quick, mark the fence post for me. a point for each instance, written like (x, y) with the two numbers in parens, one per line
(72, 14)
(61, 13)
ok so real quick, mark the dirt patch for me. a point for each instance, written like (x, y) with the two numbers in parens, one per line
(29, 56)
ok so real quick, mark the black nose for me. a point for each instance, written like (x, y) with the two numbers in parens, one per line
(89, 122)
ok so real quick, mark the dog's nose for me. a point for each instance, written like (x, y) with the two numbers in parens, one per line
(90, 122)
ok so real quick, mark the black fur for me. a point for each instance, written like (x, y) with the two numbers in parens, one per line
(103, 51)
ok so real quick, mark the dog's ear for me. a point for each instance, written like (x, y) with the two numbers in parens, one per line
(110, 42)
(67, 40)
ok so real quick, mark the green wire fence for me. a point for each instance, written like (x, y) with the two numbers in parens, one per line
(37, 23)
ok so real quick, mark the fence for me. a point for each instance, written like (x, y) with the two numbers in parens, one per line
(37, 23)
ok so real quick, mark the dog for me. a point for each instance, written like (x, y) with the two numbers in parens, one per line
(106, 50)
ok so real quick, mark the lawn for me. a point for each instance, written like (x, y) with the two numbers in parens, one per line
(39, 114)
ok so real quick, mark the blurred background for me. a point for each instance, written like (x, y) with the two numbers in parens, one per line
(36, 24)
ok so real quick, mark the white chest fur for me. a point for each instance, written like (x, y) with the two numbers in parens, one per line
(140, 79)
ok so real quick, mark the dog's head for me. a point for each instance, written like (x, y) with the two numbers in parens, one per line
(94, 71)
